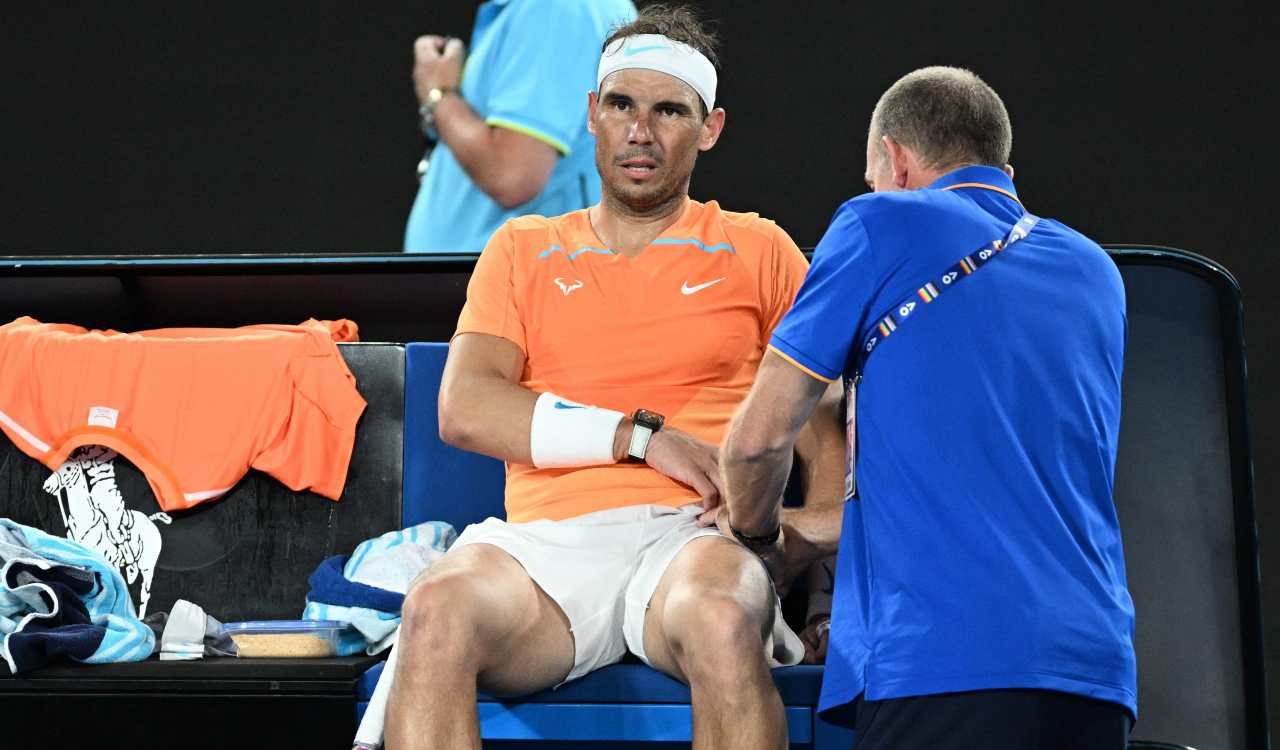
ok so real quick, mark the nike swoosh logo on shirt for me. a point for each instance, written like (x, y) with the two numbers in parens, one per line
(686, 289)
(563, 405)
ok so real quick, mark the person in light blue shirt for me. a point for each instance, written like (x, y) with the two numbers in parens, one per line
(509, 119)
(980, 593)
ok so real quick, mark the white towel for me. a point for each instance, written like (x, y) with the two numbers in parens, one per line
(369, 734)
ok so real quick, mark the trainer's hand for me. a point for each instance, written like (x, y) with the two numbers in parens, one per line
(814, 636)
(790, 556)
(437, 63)
(687, 460)
(775, 558)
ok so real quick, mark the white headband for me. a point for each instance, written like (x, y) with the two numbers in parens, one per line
(657, 52)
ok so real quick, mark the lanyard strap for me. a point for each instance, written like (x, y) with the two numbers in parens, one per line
(926, 294)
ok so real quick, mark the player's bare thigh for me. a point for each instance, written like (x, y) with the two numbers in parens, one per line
(479, 602)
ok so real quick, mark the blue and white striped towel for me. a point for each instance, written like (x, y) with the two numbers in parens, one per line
(60, 598)
(390, 563)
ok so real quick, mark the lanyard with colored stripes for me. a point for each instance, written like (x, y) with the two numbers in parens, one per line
(933, 289)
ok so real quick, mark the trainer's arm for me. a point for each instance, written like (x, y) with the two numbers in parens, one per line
(813, 531)
(756, 456)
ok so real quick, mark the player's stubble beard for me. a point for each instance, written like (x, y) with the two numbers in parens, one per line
(640, 201)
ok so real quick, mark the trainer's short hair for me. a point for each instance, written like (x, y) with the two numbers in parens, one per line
(679, 23)
(948, 116)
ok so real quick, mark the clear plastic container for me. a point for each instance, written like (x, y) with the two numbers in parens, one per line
(285, 638)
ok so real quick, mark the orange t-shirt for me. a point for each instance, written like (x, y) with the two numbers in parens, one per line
(679, 329)
(193, 408)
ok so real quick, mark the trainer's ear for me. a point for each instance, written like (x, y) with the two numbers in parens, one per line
(901, 161)
(1008, 169)
(712, 126)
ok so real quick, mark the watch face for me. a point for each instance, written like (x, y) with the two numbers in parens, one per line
(649, 419)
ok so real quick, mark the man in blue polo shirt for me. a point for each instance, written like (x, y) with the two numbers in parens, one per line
(511, 125)
(980, 592)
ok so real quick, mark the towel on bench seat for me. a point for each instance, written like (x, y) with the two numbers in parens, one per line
(58, 598)
(367, 587)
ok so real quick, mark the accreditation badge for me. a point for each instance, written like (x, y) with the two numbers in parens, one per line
(850, 439)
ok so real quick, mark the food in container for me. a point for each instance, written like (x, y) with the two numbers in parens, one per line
(285, 638)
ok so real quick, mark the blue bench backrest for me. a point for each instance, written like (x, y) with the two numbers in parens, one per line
(441, 483)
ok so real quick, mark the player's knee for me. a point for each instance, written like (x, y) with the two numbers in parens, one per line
(713, 630)
(439, 613)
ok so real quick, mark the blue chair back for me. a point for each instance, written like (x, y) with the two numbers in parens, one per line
(441, 483)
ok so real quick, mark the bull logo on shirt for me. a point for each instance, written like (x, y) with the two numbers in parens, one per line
(95, 515)
(567, 285)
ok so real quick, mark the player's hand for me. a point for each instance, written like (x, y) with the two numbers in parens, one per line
(437, 64)
(689, 461)
(815, 636)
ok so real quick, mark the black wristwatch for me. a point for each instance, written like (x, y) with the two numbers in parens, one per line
(764, 541)
(644, 424)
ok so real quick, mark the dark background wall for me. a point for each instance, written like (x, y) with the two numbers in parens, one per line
(289, 126)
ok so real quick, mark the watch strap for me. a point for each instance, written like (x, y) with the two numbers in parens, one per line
(638, 448)
(644, 424)
(760, 541)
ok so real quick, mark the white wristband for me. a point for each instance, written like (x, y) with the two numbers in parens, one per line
(565, 433)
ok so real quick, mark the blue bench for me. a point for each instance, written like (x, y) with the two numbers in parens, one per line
(626, 702)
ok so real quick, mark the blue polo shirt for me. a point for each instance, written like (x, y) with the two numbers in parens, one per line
(983, 550)
(529, 67)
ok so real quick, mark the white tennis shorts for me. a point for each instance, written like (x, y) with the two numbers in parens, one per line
(602, 569)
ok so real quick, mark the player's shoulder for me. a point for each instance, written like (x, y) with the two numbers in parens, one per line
(532, 224)
(535, 233)
(746, 229)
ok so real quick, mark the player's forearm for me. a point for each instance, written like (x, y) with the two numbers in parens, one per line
(487, 155)
(493, 416)
(488, 415)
